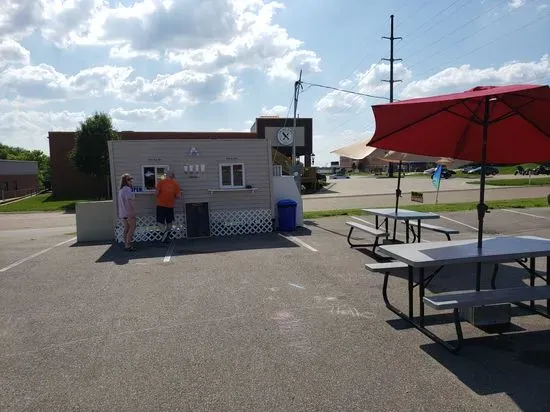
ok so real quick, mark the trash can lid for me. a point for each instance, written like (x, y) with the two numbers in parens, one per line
(286, 202)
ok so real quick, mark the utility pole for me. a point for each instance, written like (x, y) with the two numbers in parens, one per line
(391, 81)
(297, 87)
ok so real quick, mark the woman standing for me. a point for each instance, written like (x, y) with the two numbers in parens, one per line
(126, 210)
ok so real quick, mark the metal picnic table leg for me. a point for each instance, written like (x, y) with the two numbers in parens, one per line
(418, 228)
(407, 230)
(421, 287)
(410, 286)
(376, 221)
(548, 282)
(532, 279)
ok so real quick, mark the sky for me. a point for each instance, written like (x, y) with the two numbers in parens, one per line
(216, 65)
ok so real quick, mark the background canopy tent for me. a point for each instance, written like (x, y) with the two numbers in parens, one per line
(362, 150)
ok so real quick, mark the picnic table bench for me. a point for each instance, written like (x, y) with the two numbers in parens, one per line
(377, 233)
(472, 298)
(497, 250)
(440, 229)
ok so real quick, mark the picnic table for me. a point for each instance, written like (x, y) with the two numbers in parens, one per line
(502, 249)
(403, 215)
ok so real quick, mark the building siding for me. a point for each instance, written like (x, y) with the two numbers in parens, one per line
(18, 167)
(130, 156)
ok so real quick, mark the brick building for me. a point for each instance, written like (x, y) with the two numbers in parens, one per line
(17, 178)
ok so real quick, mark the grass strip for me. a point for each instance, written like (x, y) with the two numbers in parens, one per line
(442, 207)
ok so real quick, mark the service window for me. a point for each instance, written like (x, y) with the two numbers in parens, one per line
(231, 175)
(151, 174)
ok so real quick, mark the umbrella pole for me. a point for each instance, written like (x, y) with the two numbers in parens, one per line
(482, 207)
(397, 196)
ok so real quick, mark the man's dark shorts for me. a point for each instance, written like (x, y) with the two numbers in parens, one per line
(165, 214)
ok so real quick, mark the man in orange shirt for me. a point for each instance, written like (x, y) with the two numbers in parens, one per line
(168, 190)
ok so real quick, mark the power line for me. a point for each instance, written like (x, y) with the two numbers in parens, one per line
(437, 22)
(431, 19)
(345, 91)
(452, 32)
(461, 40)
(485, 44)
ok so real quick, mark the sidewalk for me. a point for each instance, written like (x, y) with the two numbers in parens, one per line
(331, 202)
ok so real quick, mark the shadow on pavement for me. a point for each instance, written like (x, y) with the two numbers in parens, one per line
(148, 250)
(517, 365)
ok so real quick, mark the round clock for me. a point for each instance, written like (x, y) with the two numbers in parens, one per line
(285, 136)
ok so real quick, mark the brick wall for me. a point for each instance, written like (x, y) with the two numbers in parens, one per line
(13, 185)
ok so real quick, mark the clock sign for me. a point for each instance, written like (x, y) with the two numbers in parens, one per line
(285, 136)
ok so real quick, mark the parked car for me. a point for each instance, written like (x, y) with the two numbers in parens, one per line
(541, 170)
(489, 170)
(445, 173)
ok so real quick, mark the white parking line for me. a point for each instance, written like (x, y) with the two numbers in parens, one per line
(299, 242)
(35, 255)
(526, 214)
(459, 223)
(170, 251)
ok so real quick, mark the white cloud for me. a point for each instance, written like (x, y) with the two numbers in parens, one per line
(212, 35)
(59, 21)
(277, 110)
(516, 4)
(368, 82)
(12, 52)
(447, 80)
(44, 82)
(541, 7)
(29, 128)
(156, 114)
(339, 102)
(464, 77)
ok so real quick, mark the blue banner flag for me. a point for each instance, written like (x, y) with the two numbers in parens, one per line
(436, 177)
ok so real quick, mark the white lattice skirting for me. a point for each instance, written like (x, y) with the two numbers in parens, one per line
(240, 222)
(222, 223)
(147, 229)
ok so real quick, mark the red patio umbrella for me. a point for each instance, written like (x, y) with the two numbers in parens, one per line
(487, 124)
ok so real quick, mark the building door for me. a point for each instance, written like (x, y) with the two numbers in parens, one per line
(198, 219)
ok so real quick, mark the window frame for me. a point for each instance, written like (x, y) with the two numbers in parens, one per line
(232, 186)
(155, 166)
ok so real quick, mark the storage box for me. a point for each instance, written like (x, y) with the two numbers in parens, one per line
(490, 315)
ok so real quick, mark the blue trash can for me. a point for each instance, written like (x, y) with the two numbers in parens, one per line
(287, 214)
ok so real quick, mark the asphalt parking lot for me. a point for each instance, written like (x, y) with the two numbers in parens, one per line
(267, 322)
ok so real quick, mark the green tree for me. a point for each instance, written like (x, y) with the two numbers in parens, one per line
(90, 154)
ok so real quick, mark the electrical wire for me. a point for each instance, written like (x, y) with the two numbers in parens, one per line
(416, 52)
(437, 22)
(485, 44)
(346, 91)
